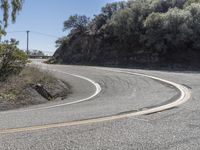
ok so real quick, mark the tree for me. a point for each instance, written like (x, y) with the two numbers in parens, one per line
(60, 41)
(98, 22)
(195, 25)
(164, 5)
(76, 22)
(122, 22)
(5, 5)
(177, 26)
(154, 31)
(111, 8)
(168, 34)
(127, 25)
(189, 2)
(12, 60)
(137, 31)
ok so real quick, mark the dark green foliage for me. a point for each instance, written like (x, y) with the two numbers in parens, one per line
(164, 5)
(147, 32)
(111, 8)
(60, 41)
(76, 22)
(194, 9)
(12, 60)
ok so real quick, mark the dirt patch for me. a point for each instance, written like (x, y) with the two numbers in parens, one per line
(20, 90)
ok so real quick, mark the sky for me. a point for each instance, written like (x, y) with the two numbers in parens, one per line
(44, 19)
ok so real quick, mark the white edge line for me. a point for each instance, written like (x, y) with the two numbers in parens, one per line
(97, 86)
(97, 91)
(185, 96)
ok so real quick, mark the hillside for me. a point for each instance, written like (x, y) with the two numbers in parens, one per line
(157, 33)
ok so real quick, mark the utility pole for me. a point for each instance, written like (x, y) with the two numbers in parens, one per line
(27, 42)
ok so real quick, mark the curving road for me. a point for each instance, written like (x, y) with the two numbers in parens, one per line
(110, 109)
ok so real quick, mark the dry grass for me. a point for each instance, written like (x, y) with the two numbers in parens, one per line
(33, 75)
(14, 85)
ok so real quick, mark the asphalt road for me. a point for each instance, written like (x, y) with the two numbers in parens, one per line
(57, 125)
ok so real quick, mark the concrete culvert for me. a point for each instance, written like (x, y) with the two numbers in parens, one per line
(43, 92)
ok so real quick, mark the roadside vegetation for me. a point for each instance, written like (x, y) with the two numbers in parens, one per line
(12, 59)
(20, 84)
(31, 86)
(157, 33)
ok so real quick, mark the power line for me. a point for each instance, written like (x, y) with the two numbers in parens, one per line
(44, 34)
(35, 32)
(15, 31)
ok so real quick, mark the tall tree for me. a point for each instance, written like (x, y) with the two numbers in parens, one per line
(76, 22)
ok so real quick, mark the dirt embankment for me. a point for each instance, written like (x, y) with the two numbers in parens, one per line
(31, 87)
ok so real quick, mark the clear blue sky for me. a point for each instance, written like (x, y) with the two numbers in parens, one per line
(47, 16)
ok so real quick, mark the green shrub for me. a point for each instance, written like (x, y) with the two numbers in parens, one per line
(12, 60)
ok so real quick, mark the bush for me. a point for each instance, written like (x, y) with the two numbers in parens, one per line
(12, 60)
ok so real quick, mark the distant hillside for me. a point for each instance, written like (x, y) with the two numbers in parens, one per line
(135, 33)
